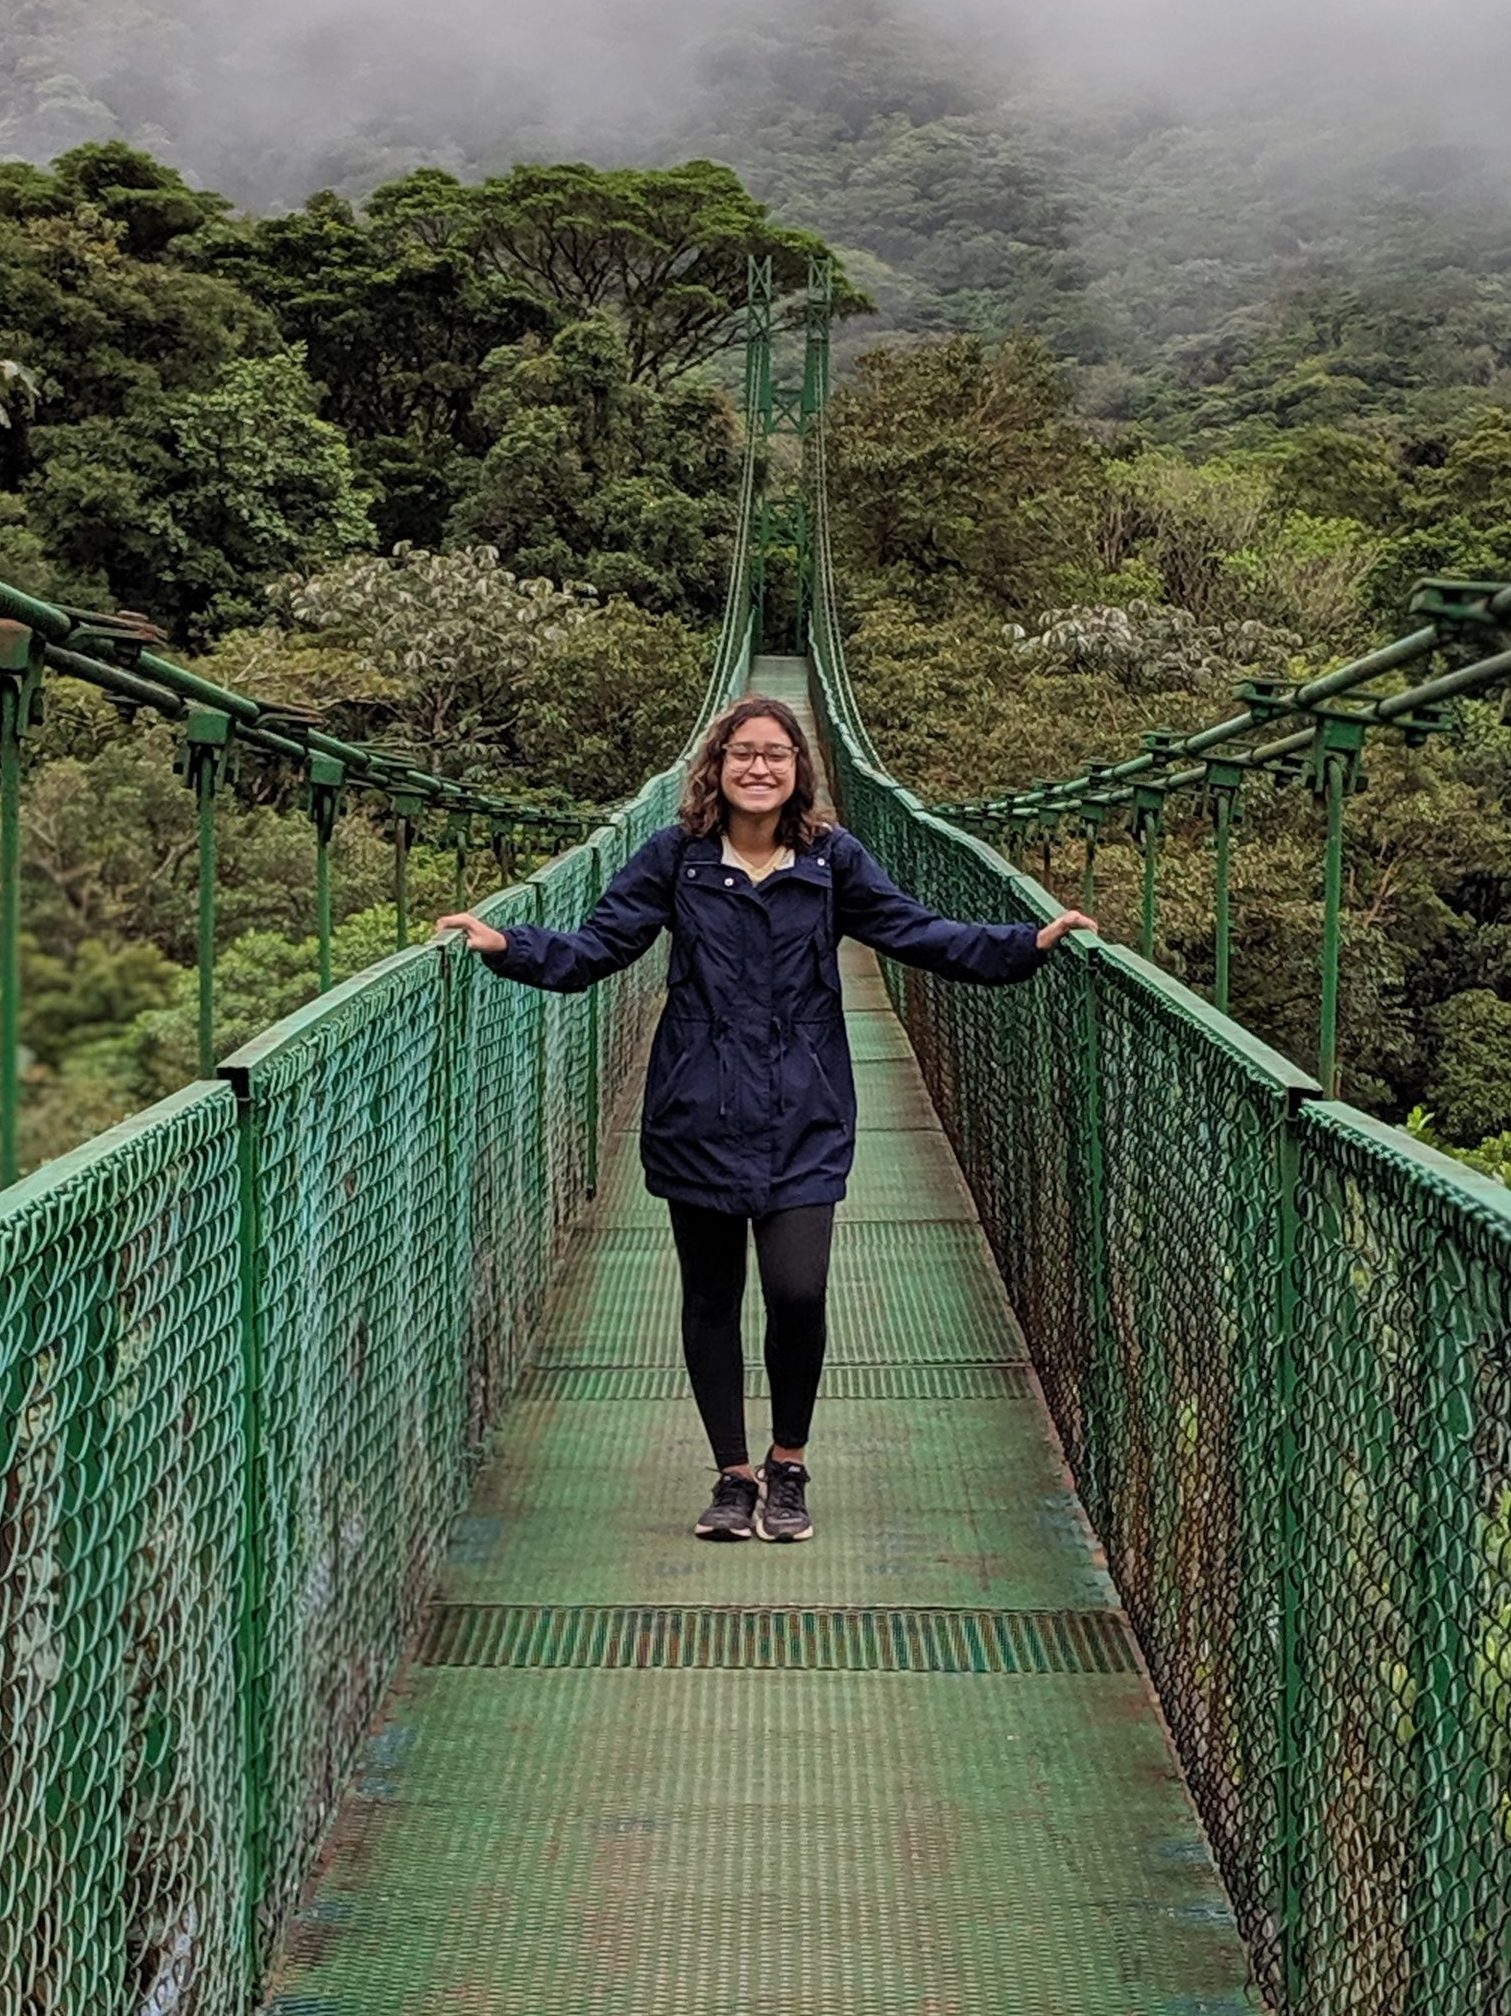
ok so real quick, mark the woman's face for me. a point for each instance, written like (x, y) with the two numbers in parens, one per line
(760, 765)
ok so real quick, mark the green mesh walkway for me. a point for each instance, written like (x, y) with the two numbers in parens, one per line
(910, 1769)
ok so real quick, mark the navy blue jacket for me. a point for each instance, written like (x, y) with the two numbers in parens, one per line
(749, 1098)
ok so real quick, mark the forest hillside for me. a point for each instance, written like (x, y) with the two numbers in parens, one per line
(1156, 371)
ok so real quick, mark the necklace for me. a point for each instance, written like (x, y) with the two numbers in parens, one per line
(764, 868)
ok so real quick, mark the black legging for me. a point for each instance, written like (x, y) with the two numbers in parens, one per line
(792, 1252)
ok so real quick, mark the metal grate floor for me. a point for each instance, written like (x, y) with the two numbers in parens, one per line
(909, 1769)
(631, 1843)
(611, 1636)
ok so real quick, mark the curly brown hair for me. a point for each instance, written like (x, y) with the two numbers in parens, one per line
(703, 804)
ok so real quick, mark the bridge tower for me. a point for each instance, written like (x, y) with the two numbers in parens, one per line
(783, 409)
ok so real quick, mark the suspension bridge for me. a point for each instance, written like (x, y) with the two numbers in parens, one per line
(1155, 1651)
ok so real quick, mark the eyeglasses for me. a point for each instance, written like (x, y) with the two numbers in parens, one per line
(775, 755)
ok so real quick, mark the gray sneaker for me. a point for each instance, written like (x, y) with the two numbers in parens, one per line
(782, 1511)
(728, 1516)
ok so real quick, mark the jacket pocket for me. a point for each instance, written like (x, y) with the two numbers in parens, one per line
(667, 1079)
(829, 1096)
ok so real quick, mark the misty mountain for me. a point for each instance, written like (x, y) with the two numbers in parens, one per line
(1170, 200)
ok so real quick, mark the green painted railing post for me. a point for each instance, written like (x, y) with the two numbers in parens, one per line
(1093, 808)
(407, 807)
(1223, 783)
(20, 708)
(1093, 816)
(1089, 870)
(10, 922)
(205, 763)
(1334, 772)
(1290, 1704)
(326, 778)
(250, 1650)
(459, 834)
(591, 1087)
(1332, 920)
(1148, 816)
(501, 840)
(1104, 1415)
(1148, 821)
(817, 316)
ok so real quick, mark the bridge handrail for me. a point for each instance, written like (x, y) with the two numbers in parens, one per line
(1482, 606)
(250, 1343)
(1275, 1336)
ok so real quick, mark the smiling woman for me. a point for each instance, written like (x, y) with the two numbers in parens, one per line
(749, 1110)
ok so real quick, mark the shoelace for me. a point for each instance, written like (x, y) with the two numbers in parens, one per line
(784, 1486)
(730, 1490)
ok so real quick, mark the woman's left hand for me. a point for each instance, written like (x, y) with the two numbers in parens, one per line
(1069, 920)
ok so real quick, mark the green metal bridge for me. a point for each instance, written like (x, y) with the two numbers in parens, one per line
(1155, 1651)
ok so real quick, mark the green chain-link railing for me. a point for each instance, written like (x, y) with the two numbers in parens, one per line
(220, 726)
(1276, 1338)
(1337, 713)
(249, 1345)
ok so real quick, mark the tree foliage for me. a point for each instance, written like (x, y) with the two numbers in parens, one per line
(189, 503)
(1256, 380)
(958, 469)
(595, 475)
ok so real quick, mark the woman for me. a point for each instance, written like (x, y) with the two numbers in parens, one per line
(749, 1109)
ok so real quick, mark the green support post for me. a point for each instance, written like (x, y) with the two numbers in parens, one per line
(251, 1679)
(760, 304)
(1223, 821)
(407, 807)
(204, 765)
(760, 414)
(591, 1088)
(21, 656)
(1105, 1408)
(501, 840)
(1093, 815)
(10, 924)
(459, 836)
(1089, 869)
(1148, 814)
(1290, 1697)
(1332, 898)
(326, 777)
(818, 314)
(1148, 821)
(1334, 772)
(1224, 782)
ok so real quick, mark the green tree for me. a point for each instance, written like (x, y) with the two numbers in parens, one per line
(78, 999)
(192, 503)
(436, 645)
(956, 469)
(595, 476)
(395, 331)
(664, 251)
(95, 323)
(1469, 1082)
(610, 703)
(151, 204)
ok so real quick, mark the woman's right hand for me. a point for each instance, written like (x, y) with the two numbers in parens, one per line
(481, 937)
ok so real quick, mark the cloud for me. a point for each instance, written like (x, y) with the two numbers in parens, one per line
(272, 99)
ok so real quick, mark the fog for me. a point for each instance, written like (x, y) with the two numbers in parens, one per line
(268, 99)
